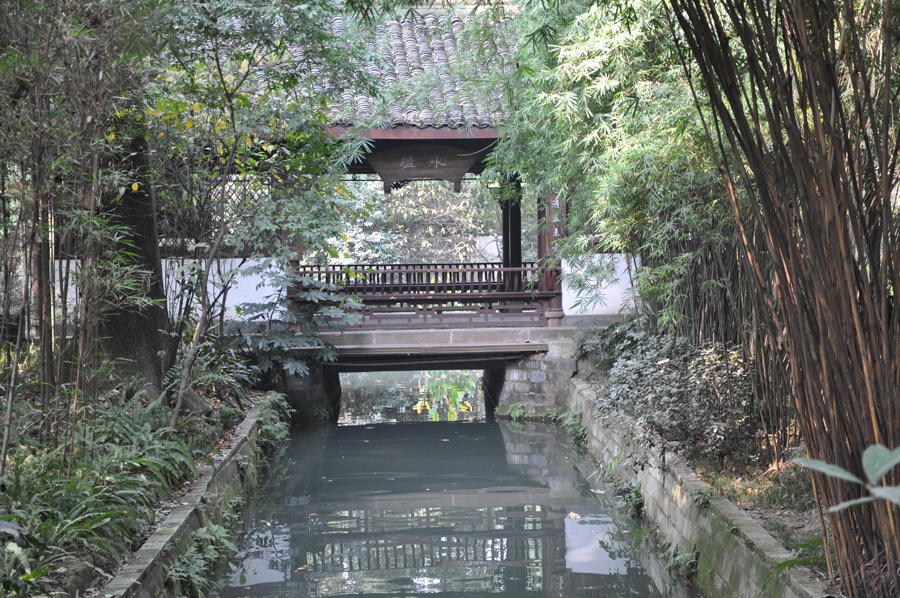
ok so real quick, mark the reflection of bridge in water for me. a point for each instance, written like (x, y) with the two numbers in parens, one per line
(475, 541)
(484, 526)
(506, 549)
(431, 536)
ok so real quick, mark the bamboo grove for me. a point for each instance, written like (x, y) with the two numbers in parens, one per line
(802, 96)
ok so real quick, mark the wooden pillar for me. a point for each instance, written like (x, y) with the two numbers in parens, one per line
(552, 228)
(511, 206)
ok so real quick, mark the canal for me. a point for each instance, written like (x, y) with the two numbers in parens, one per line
(416, 491)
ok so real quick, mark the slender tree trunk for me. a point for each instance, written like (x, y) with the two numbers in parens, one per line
(14, 366)
(202, 324)
(10, 393)
(134, 337)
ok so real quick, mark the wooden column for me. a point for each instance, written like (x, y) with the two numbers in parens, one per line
(511, 206)
(552, 228)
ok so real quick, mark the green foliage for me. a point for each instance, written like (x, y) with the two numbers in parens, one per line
(453, 390)
(877, 461)
(701, 497)
(15, 539)
(573, 423)
(277, 336)
(808, 552)
(696, 396)
(630, 499)
(603, 115)
(424, 222)
(274, 423)
(232, 514)
(608, 340)
(246, 166)
(515, 411)
(784, 487)
(229, 417)
(684, 563)
(221, 371)
(193, 569)
(125, 462)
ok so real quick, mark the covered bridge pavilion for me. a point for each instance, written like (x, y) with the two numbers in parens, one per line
(502, 316)
(446, 137)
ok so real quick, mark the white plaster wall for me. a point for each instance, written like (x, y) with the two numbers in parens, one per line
(253, 288)
(617, 296)
(245, 287)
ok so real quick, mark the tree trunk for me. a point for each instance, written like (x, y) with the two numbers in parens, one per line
(133, 336)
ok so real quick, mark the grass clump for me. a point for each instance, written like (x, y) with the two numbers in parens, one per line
(515, 411)
(781, 486)
(572, 423)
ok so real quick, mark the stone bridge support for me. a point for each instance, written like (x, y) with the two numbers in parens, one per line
(539, 382)
(316, 397)
(528, 366)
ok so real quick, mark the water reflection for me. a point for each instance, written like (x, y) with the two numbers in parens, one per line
(444, 508)
(391, 397)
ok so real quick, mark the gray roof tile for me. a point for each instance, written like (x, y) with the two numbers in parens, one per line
(423, 47)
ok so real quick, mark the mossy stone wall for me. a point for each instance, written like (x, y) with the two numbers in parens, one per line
(736, 557)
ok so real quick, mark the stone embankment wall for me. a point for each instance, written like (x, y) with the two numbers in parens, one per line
(234, 471)
(736, 557)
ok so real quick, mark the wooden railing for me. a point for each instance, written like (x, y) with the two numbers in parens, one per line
(443, 295)
(380, 279)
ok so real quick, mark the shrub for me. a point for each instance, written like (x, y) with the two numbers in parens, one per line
(193, 569)
(701, 397)
(123, 464)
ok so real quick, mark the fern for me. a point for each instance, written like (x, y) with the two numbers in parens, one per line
(274, 427)
(125, 462)
(193, 569)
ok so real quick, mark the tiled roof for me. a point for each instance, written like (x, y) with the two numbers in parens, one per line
(421, 52)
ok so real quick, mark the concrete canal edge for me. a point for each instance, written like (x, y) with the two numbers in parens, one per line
(736, 557)
(233, 473)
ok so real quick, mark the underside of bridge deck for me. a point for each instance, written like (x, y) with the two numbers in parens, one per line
(530, 366)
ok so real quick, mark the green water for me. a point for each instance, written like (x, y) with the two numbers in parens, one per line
(457, 509)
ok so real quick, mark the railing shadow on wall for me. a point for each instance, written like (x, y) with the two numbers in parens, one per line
(404, 296)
